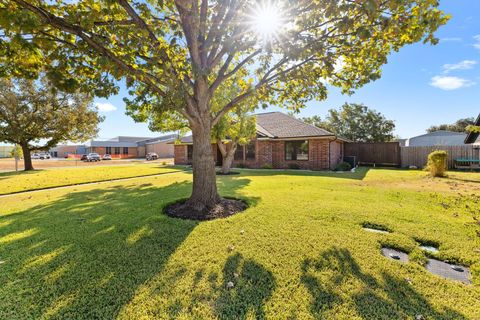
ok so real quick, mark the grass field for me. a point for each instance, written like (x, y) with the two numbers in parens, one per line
(8, 164)
(12, 182)
(298, 252)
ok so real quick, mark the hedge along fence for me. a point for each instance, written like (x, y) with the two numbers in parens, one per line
(418, 156)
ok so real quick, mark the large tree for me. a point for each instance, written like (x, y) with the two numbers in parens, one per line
(37, 116)
(356, 122)
(188, 48)
(459, 126)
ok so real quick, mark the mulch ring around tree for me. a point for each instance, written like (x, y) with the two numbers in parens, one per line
(223, 209)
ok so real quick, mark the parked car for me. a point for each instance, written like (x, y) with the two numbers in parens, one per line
(93, 157)
(107, 157)
(151, 156)
(83, 157)
(44, 155)
(35, 156)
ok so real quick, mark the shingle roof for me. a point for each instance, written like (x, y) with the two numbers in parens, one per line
(187, 139)
(280, 125)
(473, 136)
(166, 138)
(277, 125)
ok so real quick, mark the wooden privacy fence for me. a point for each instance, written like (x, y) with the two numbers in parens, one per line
(417, 156)
(378, 153)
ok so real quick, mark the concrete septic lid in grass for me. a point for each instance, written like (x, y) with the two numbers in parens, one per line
(449, 271)
(431, 249)
(375, 227)
(395, 254)
(428, 245)
(375, 230)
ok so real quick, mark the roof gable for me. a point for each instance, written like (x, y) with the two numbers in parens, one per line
(280, 125)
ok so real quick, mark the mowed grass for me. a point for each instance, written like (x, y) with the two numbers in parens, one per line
(299, 251)
(13, 182)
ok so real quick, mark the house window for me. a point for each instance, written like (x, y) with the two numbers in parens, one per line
(125, 150)
(296, 150)
(117, 150)
(238, 153)
(189, 152)
(108, 150)
(250, 151)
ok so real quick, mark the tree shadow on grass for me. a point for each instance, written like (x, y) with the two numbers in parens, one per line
(253, 286)
(85, 254)
(6, 174)
(392, 298)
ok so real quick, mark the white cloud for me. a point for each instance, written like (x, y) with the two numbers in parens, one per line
(477, 39)
(462, 65)
(105, 107)
(450, 83)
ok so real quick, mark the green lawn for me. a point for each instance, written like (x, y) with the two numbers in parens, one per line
(299, 252)
(12, 182)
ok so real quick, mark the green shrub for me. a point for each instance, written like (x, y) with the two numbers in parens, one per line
(267, 166)
(294, 166)
(437, 163)
(343, 166)
(242, 165)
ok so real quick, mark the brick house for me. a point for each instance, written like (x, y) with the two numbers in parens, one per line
(121, 147)
(282, 142)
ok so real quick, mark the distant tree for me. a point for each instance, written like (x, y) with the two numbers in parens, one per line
(356, 122)
(459, 126)
(316, 121)
(36, 116)
(16, 152)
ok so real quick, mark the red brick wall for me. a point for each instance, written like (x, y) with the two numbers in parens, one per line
(180, 154)
(273, 152)
(336, 153)
(317, 155)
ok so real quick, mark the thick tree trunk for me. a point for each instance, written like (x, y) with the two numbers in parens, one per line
(27, 159)
(204, 194)
(228, 159)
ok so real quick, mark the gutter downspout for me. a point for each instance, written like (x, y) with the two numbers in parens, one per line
(329, 153)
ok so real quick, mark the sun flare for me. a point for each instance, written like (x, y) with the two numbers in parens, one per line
(267, 20)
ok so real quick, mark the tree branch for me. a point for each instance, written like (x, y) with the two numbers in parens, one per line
(61, 24)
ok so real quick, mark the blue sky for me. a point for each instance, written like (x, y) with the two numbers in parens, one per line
(421, 85)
